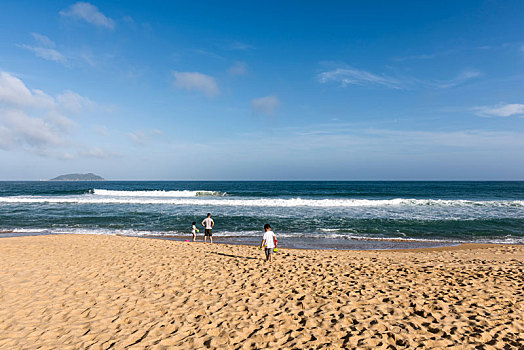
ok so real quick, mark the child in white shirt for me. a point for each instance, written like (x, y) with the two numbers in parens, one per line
(194, 230)
(268, 242)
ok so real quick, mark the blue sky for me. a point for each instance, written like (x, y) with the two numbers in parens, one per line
(273, 90)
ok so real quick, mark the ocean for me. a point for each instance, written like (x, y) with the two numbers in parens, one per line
(304, 214)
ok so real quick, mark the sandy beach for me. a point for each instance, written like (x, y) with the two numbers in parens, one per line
(101, 292)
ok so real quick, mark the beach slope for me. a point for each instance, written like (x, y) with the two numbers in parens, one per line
(100, 292)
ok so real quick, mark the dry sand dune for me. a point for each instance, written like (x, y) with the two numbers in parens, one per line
(100, 292)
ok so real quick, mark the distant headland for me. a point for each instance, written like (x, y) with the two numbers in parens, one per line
(78, 177)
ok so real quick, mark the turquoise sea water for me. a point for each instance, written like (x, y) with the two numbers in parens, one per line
(303, 214)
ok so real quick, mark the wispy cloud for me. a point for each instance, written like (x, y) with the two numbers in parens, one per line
(143, 138)
(458, 80)
(195, 81)
(43, 40)
(73, 102)
(46, 53)
(138, 138)
(346, 76)
(265, 105)
(89, 13)
(238, 46)
(501, 110)
(238, 68)
(353, 76)
(45, 48)
(203, 52)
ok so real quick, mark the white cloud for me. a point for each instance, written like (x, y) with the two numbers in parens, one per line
(459, 79)
(32, 121)
(60, 121)
(49, 153)
(239, 46)
(238, 68)
(45, 49)
(89, 13)
(139, 138)
(43, 40)
(195, 81)
(6, 140)
(265, 105)
(145, 138)
(46, 53)
(73, 102)
(502, 110)
(36, 132)
(352, 76)
(207, 53)
(13, 92)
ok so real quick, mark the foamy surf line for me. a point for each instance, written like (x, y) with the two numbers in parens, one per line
(290, 239)
(158, 193)
(266, 202)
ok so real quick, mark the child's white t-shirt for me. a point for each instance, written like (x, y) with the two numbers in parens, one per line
(194, 228)
(269, 236)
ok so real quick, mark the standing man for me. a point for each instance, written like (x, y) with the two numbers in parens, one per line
(208, 224)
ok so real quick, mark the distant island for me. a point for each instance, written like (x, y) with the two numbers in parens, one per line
(78, 177)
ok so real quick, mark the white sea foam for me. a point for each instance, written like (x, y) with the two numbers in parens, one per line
(283, 236)
(157, 193)
(90, 231)
(29, 230)
(265, 202)
(329, 229)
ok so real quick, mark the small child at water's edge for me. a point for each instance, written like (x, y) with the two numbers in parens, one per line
(268, 242)
(194, 230)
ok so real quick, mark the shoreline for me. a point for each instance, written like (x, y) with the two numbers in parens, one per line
(325, 243)
(454, 247)
(183, 239)
(328, 244)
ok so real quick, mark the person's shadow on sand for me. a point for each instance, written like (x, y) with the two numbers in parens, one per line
(235, 256)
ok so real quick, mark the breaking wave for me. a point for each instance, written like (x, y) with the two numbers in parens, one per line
(158, 193)
(185, 198)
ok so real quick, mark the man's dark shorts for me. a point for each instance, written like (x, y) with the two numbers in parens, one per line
(209, 232)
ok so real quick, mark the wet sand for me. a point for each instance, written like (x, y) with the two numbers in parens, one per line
(99, 292)
(326, 244)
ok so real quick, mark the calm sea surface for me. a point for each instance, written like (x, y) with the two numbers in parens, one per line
(339, 215)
